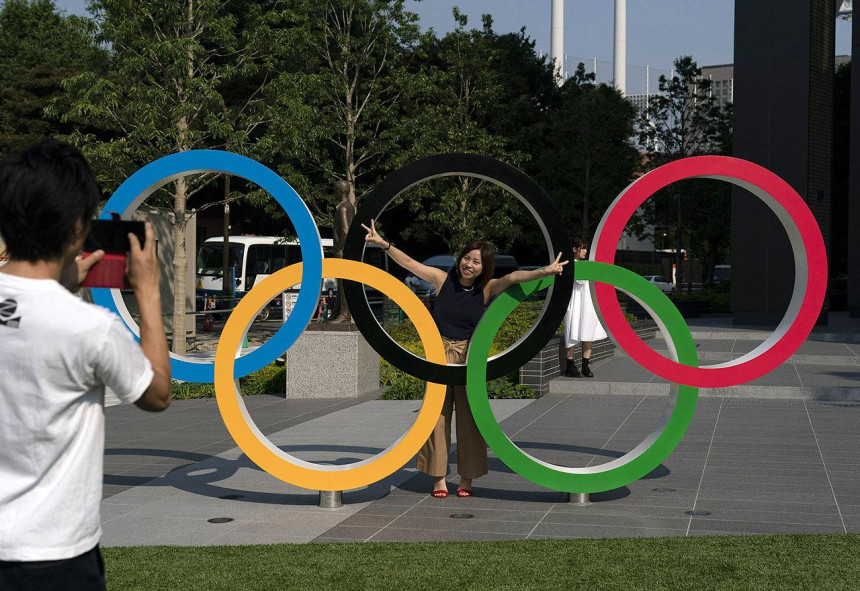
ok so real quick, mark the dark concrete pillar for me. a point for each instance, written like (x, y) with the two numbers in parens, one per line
(854, 177)
(783, 121)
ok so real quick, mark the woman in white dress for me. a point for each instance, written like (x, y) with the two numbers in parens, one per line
(580, 321)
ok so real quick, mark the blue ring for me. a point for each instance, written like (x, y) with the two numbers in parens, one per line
(138, 186)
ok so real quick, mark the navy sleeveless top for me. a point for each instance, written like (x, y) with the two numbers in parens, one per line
(458, 310)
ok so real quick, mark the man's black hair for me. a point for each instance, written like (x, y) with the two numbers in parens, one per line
(44, 190)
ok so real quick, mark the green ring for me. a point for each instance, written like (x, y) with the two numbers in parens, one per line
(644, 457)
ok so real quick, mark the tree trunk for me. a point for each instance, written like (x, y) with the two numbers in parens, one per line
(180, 266)
(180, 196)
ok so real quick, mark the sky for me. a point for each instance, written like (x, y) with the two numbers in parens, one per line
(658, 31)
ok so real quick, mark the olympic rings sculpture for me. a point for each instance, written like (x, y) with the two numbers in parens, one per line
(682, 370)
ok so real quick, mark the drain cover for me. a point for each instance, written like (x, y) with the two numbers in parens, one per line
(665, 490)
(462, 516)
(220, 520)
(231, 497)
(697, 513)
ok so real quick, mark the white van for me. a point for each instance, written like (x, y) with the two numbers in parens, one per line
(253, 258)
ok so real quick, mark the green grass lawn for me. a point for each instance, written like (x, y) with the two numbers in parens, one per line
(719, 562)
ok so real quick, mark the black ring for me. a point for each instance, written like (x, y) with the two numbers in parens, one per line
(532, 196)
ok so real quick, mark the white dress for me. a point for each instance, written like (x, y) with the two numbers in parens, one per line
(580, 320)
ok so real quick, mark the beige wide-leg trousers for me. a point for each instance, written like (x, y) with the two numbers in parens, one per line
(471, 448)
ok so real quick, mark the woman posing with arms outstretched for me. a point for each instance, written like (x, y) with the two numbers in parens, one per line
(463, 294)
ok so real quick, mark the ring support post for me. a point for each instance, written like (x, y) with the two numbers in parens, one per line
(331, 499)
(579, 498)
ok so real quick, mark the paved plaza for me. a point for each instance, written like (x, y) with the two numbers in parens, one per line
(779, 455)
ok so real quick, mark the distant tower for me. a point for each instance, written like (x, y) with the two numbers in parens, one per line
(557, 39)
(620, 55)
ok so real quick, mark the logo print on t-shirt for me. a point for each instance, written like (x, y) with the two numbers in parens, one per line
(7, 310)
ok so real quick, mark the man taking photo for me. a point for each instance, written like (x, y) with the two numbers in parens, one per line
(57, 355)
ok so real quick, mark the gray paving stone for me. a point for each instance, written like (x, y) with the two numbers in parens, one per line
(369, 520)
(637, 521)
(478, 514)
(765, 468)
(391, 534)
(555, 530)
(852, 523)
(761, 527)
(732, 514)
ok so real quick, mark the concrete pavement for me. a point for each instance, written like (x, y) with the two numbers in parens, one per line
(778, 455)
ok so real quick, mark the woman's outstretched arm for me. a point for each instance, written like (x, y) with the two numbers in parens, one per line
(497, 286)
(431, 274)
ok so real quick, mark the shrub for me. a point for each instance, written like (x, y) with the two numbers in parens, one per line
(269, 380)
(400, 386)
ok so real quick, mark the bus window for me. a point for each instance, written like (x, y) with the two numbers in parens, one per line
(294, 254)
(210, 261)
(259, 262)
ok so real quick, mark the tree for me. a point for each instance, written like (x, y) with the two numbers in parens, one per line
(451, 111)
(39, 47)
(587, 158)
(683, 119)
(178, 67)
(357, 82)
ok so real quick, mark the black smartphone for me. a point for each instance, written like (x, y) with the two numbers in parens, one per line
(111, 236)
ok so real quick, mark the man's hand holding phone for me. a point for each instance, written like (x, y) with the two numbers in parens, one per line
(111, 239)
(142, 269)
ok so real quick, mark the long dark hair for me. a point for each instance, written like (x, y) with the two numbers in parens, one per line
(488, 261)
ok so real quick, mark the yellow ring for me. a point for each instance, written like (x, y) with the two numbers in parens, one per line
(282, 465)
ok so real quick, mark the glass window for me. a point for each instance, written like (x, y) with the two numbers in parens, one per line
(210, 261)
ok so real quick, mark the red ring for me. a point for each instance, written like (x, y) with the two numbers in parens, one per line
(747, 175)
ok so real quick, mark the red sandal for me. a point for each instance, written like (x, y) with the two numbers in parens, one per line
(441, 493)
(464, 493)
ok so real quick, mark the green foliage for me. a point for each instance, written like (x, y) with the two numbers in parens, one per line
(176, 70)
(684, 119)
(585, 158)
(39, 47)
(184, 76)
(718, 298)
(269, 380)
(192, 390)
(401, 386)
(356, 80)
(502, 388)
(450, 112)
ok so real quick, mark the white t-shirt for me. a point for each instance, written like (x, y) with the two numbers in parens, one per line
(57, 354)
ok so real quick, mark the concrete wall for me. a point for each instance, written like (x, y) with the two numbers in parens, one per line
(854, 180)
(161, 224)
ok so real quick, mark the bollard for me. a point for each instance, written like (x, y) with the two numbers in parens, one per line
(579, 498)
(330, 499)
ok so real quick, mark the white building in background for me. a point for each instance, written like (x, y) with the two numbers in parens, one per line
(640, 101)
(722, 79)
